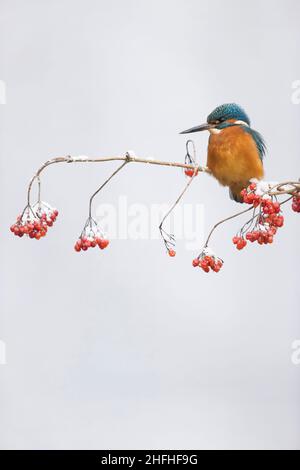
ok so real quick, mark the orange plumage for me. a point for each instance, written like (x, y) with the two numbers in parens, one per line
(233, 159)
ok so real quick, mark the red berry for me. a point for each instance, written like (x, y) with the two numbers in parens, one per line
(190, 172)
(103, 243)
(256, 200)
(250, 198)
(196, 262)
(172, 253)
(241, 244)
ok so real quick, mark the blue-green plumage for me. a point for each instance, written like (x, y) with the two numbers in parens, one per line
(228, 111)
(259, 140)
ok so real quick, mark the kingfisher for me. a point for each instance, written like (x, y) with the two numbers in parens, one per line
(235, 151)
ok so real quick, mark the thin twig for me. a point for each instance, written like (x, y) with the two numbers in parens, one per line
(223, 221)
(171, 237)
(104, 184)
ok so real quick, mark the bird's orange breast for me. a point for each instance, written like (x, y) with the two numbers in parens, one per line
(233, 157)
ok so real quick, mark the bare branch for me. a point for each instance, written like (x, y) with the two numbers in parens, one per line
(128, 157)
(262, 196)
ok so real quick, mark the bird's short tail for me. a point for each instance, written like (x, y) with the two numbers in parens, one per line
(235, 191)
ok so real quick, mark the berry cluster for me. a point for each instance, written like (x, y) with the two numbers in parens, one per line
(45, 212)
(34, 221)
(296, 203)
(240, 242)
(208, 262)
(262, 237)
(249, 195)
(90, 237)
(263, 225)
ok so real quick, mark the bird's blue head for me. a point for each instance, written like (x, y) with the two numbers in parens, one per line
(221, 117)
(226, 112)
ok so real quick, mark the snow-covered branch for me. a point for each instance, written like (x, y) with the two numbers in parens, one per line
(262, 199)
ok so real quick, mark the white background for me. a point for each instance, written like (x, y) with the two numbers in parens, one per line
(129, 348)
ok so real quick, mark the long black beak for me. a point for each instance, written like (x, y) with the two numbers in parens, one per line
(203, 127)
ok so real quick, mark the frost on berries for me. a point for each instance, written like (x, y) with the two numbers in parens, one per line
(35, 221)
(208, 261)
(91, 236)
(267, 217)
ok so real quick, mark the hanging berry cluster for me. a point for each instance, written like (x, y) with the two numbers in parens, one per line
(91, 236)
(34, 221)
(208, 261)
(266, 220)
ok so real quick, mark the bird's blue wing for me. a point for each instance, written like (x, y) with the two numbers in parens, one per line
(259, 141)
